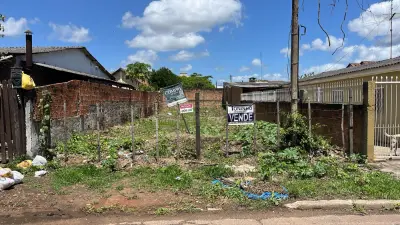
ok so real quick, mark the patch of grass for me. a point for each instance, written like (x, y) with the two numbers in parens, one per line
(162, 211)
(88, 175)
(217, 171)
(119, 188)
(369, 185)
(171, 176)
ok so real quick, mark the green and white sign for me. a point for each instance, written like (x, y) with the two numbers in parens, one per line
(174, 95)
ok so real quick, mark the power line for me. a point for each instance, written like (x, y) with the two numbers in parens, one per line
(362, 40)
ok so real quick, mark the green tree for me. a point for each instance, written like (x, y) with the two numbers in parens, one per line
(197, 81)
(138, 71)
(162, 78)
(2, 19)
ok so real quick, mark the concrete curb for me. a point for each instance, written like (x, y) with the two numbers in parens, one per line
(343, 204)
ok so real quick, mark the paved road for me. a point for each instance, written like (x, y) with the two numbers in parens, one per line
(391, 219)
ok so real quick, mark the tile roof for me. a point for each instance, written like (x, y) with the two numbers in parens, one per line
(361, 67)
(21, 50)
(48, 49)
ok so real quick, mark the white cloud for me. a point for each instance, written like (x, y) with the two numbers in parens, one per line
(166, 42)
(374, 22)
(184, 55)
(244, 78)
(186, 68)
(222, 28)
(143, 56)
(285, 52)
(305, 46)
(175, 24)
(256, 62)
(324, 68)
(219, 68)
(273, 76)
(70, 33)
(13, 27)
(34, 20)
(244, 68)
(318, 44)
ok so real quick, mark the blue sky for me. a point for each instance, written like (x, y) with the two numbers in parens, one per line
(211, 37)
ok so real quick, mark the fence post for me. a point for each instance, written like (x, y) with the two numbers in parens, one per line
(98, 131)
(66, 131)
(198, 153)
(177, 128)
(156, 114)
(350, 121)
(133, 133)
(369, 119)
(342, 129)
(255, 129)
(278, 129)
(227, 131)
(309, 116)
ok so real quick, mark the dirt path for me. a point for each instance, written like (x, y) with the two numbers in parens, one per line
(274, 217)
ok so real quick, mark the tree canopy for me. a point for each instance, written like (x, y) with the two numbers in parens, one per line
(2, 19)
(162, 78)
(139, 71)
(197, 81)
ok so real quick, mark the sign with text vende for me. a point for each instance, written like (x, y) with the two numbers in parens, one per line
(174, 95)
(241, 114)
(186, 108)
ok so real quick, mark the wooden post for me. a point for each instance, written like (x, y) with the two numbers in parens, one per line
(278, 122)
(133, 133)
(66, 131)
(98, 131)
(186, 126)
(309, 117)
(342, 128)
(255, 129)
(156, 113)
(177, 128)
(227, 132)
(197, 113)
(369, 120)
(350, 121)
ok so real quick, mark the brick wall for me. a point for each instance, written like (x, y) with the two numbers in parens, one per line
(328, 116)
(81, 98)
(208, 98)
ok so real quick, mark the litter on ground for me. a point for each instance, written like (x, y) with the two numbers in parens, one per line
(264, 196)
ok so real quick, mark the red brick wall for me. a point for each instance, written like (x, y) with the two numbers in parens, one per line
(327, 116)
(208, 98)
(81, 95)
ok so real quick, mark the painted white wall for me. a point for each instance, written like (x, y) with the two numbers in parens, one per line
(72, 59)
(120, 77)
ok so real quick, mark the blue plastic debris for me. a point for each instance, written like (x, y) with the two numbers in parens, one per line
(264, 196)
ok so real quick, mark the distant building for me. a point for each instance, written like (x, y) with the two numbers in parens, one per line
(121, 77)
(183, 75)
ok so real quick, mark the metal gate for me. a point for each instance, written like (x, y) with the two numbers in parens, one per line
(387, 124)
(12, 123)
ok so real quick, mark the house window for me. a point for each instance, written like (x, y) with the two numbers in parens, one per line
(337, 96)
(319, 95)
(379, 99)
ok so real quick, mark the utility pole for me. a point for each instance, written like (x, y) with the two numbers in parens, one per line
(261, 75)
(294, 59)
(230, 77)
(391, 28)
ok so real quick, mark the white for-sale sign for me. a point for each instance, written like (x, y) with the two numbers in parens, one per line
(241, 114)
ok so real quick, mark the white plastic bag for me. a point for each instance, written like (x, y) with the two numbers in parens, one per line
(17, 177)
(39, 161)
(40, 173)
(6, 183)
(5, 172)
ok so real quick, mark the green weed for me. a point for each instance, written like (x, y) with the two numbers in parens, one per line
(88, 175)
